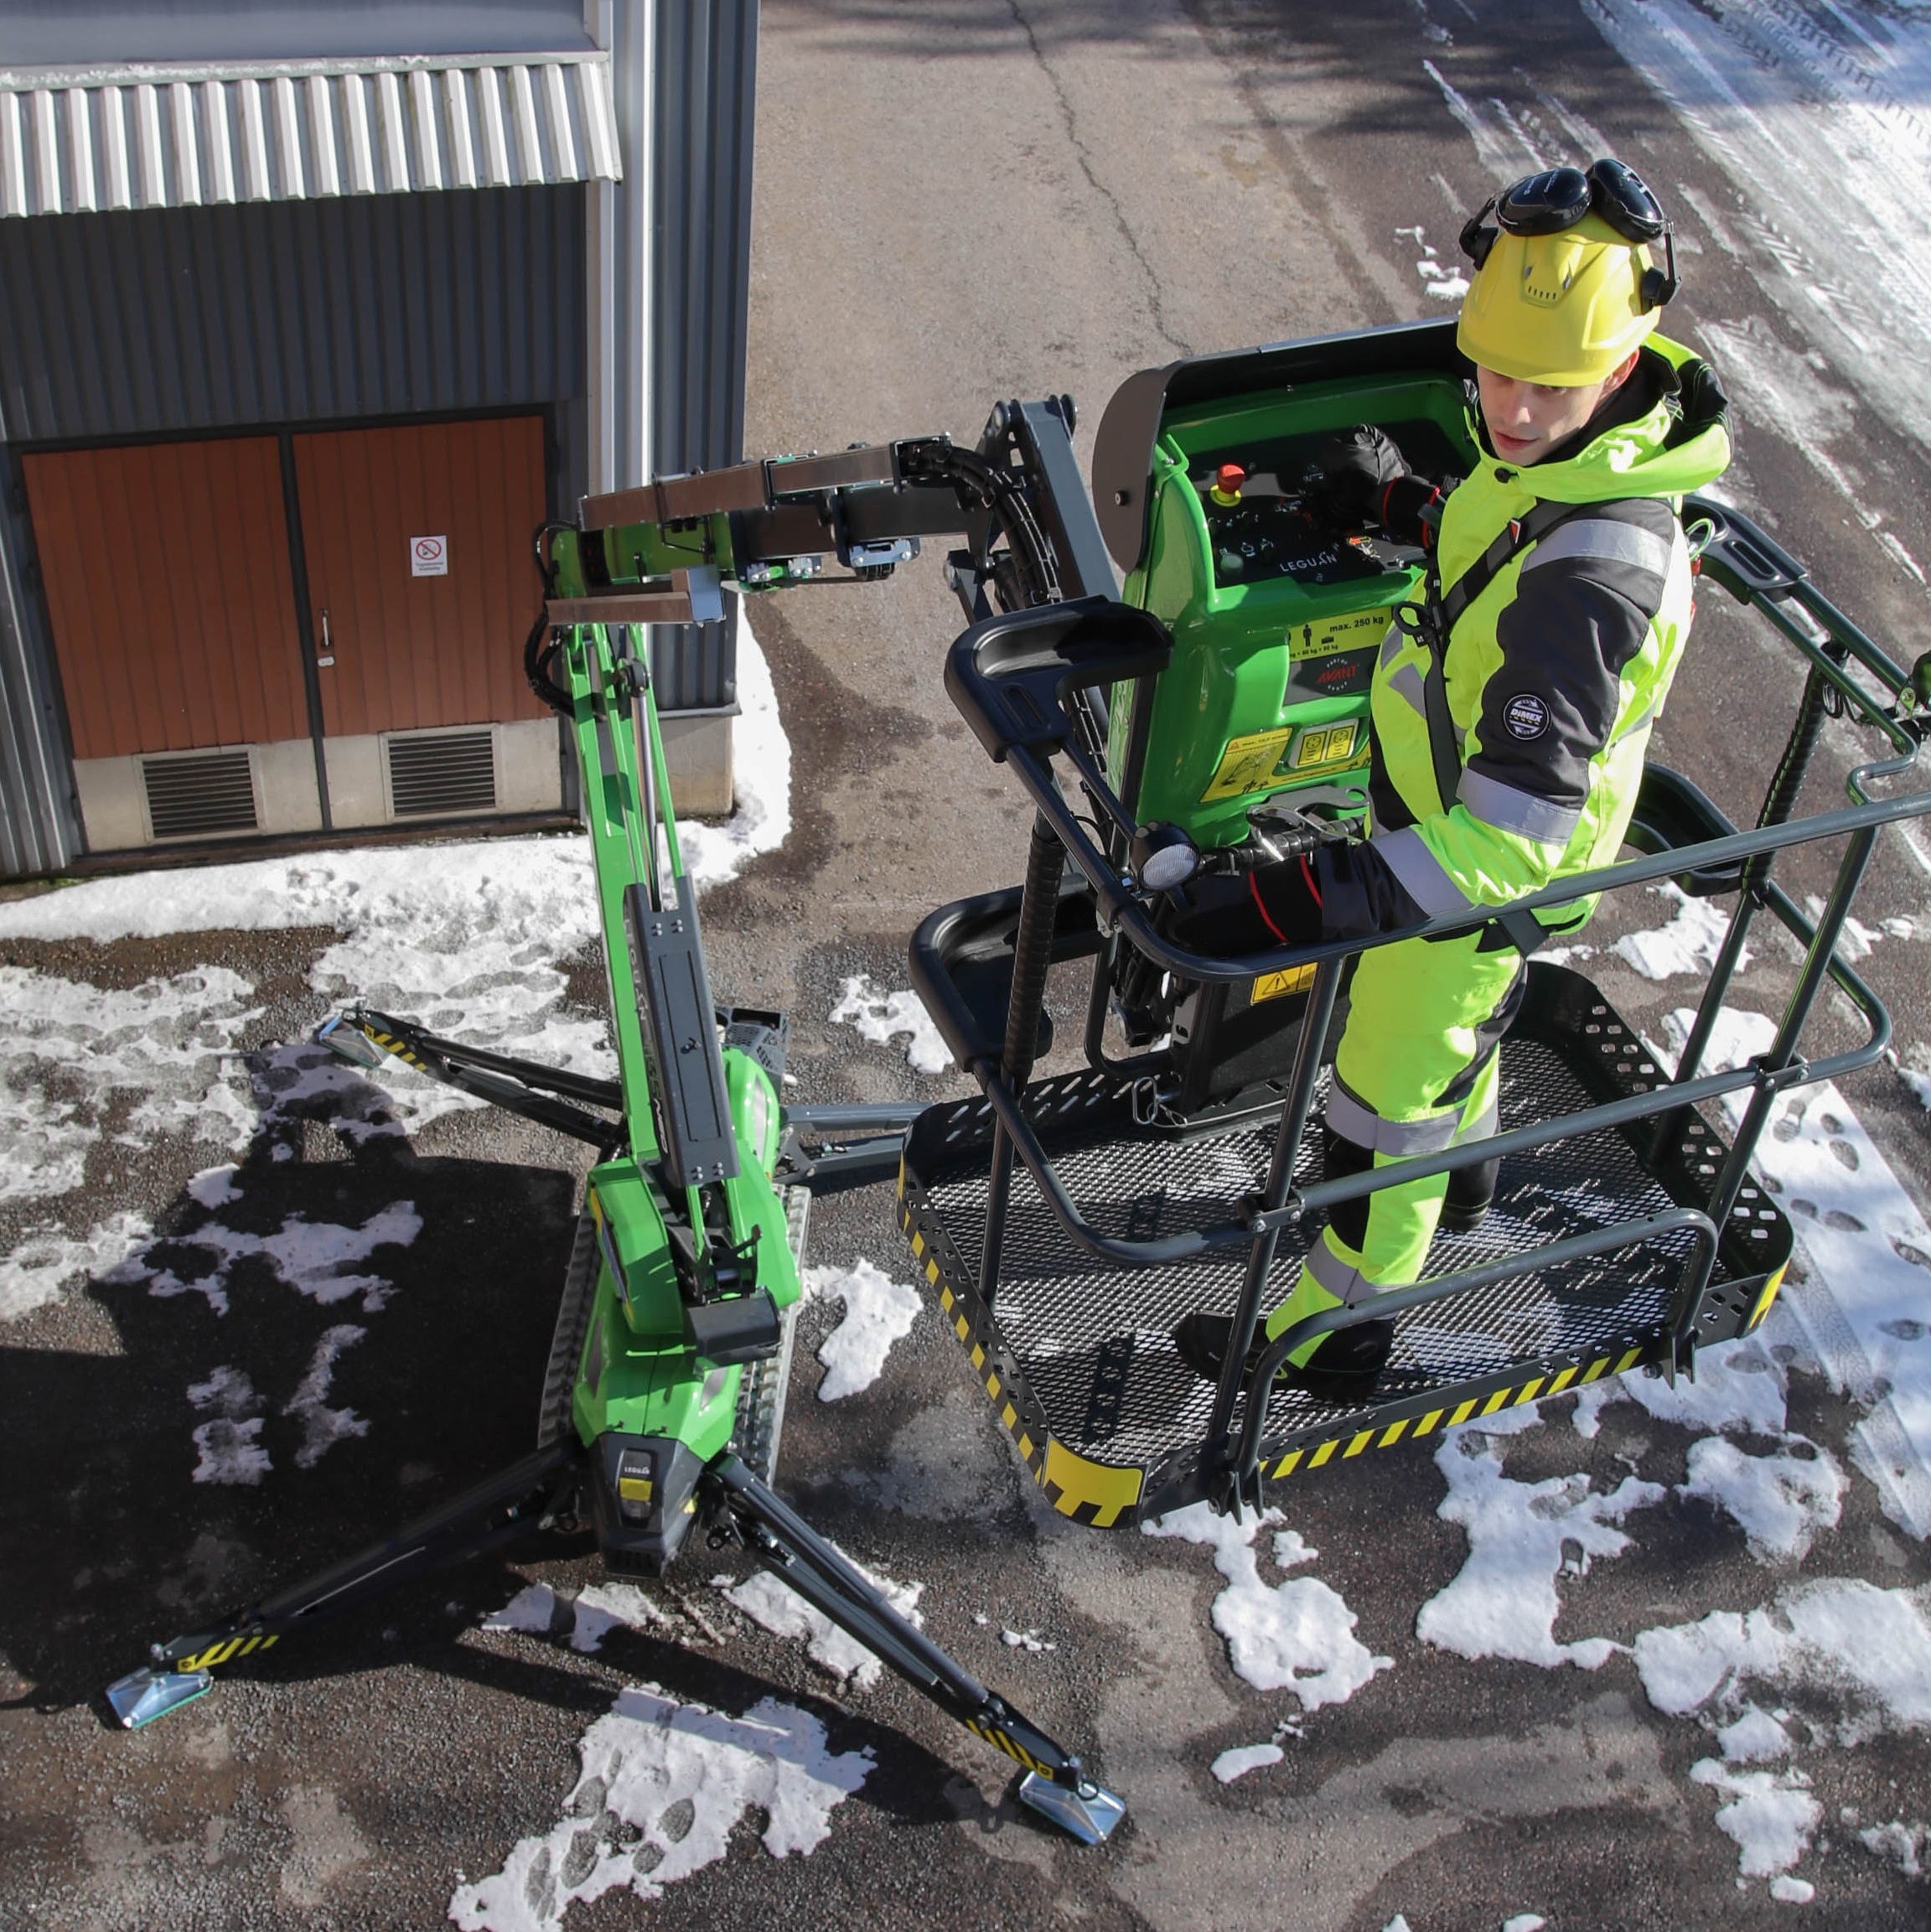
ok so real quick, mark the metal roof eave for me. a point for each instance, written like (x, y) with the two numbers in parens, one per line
(80, 140)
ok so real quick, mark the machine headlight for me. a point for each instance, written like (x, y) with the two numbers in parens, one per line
(1163, 857)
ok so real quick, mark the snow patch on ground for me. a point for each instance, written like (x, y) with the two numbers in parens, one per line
(1521, 1537)
(1689, 944)
(1739, 1388)
(1029, 1641)
(1753, 1737)
(880, 1016)
(1861, 1303)
(48, 1260)
(1771, 1815)
(532, 1609)
(1442, 280)
(322, 1427)
(663, 1784)
(312, 1257)
(1899, 1844)
(214, 1187)
(300, 1081)
(1915, 1073)
(776, 1607)
(1780, 1501)
(1244, 1759)
(229, 1451)
(604, 1607)
(1296, 1635)
(879, 1312)
(1870, 1646)
(73, 1056)
(1781, 1498)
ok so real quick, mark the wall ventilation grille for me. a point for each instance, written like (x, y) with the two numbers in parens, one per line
(199, 797)
(430, 777)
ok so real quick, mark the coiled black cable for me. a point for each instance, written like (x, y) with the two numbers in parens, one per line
(540, 647)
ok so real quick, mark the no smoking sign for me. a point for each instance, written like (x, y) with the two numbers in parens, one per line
(428, 556)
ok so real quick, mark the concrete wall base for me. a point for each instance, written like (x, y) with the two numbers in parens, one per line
(528, 773)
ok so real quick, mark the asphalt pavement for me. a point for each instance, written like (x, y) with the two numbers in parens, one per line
(957, 204)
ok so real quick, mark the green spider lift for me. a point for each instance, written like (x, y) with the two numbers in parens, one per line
(1209, 713)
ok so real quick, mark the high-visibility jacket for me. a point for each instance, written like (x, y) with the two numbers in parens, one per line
(1555, 672)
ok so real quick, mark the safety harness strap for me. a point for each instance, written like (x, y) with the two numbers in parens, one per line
(1524, 930)
(1444, 612)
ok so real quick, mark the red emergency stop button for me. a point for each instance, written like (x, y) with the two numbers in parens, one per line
(1226, 487)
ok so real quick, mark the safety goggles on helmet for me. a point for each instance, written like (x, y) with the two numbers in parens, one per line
(1558, 197)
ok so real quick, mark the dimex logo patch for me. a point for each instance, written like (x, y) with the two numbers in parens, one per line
(1526, 716)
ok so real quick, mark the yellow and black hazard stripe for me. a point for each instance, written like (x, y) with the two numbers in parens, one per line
(224, 1652)
(1384, 1434)
(390, 1045)
(1003, 1740)
(1103, 1494)
(1771, 1283)
(1108, 1494)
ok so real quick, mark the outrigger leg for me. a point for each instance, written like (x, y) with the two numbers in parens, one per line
(778, 1537)
(536, 1492)
(539, 1492)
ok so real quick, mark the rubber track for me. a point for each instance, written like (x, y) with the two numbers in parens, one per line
(554, 1417)
(765, 1385)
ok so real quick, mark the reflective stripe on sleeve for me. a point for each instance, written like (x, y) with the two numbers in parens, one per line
(1508, 809)
(1420, 873)
(1604, 539)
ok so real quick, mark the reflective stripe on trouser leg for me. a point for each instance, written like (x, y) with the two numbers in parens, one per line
(1421, 1018)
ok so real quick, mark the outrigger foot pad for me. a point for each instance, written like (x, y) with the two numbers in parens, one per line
(144, 1695)
(1089, 1814)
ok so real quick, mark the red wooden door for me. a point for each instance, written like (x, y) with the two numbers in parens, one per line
(168, 583)
(413, 650)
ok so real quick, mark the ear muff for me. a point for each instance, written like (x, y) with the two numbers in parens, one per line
(1659, 285)
(1477, 237)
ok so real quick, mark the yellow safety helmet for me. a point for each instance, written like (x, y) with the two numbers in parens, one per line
(1565, 285)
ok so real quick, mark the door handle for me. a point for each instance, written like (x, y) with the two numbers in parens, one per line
(325, 656)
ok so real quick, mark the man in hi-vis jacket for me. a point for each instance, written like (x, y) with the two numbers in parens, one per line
(1511, 710)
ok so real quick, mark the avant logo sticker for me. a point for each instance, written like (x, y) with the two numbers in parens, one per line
(1525, 714)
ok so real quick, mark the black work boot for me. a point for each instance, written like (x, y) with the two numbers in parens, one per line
(1471, 1193)
(1202, 1340)
(1342, 1369)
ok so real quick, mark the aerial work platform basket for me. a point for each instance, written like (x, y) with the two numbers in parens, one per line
(1077, 1353)
(1069, 1223)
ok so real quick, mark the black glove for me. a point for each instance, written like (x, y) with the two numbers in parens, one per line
(1357, 466)
(1276, 905)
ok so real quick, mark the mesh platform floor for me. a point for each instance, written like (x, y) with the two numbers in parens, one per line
(1094, 1341)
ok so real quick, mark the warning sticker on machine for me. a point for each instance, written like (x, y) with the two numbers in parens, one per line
(1275, 985)
(1350, 629)
(1247, 763)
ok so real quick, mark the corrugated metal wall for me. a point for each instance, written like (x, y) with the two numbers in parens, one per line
(38, 829)
(130, 325)
(704, 68)
(137, 324)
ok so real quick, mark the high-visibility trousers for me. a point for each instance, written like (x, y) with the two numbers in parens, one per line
(1416, 1072)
